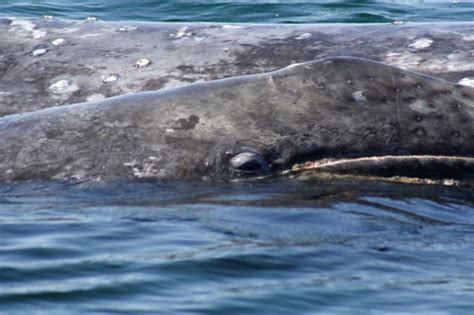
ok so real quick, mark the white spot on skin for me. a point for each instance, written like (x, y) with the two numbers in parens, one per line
(92, 35)
(58, 41)
(142, 62)
(68, 30)
(231, 26)
(183, 32)
(109, 78)
(29, 27)
(467, 82)
(303, 36)
(23, 24)
(405, 60)
(38, 52)
(142, 171)
(38, 34)
(359, 97)
(63, 87)
(422, 106)
(421, 43)
(468, 38)
(95, 97)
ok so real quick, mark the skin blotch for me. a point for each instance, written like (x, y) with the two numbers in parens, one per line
(187, 123)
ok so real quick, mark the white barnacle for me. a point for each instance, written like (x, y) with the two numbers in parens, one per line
(422, 106)
(468, 38)
(95, 97)
(421, 43)
(469, 81)
(24, 25)
(359, 97)
(109, 78)
(28, 27)
(38, 52)
(142, 62)
(63, 87)
(130, 164)
(58, 41)
(183, 32)
(303, 36)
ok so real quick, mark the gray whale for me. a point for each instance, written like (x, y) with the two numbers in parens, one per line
(46, 63)
(338, 115)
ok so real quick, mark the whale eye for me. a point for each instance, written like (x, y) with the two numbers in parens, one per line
(248, 162)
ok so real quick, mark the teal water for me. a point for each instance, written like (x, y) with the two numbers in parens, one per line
(246, 11)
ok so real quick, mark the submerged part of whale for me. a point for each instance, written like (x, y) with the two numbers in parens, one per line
(342, 114)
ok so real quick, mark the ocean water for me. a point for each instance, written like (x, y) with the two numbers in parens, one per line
(278, 246)
(273, 246)
(247, 11)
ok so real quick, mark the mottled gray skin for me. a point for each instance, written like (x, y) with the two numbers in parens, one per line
(333, 108)
(186, 53)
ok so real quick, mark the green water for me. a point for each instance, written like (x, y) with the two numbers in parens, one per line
(246, 11)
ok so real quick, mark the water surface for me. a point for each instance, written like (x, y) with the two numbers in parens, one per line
(247, 11)
(276, 246)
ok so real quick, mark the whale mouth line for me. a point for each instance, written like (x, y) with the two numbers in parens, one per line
(412, 166)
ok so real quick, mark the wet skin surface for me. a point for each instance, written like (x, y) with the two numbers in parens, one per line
(336, 108)
(50, 63)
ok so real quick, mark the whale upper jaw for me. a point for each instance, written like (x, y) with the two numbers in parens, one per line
(426, 169)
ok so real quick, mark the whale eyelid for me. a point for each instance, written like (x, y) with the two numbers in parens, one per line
(248, 162)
